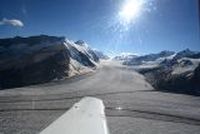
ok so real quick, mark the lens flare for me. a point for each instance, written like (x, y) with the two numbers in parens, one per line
(131, 9)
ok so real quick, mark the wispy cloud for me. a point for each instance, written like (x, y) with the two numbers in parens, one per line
(12, 22)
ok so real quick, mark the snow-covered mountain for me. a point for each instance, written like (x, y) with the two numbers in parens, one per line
(148, 58)
(39, 59)
(125, 57)
(170, 71)
(187, 53)
(100, 54)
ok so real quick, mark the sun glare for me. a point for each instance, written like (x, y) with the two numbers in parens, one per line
(131, 10)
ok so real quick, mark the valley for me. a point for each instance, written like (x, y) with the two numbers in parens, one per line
(132, 104)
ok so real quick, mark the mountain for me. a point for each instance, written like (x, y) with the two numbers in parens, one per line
(196, 78)
(84, 48)
(100, 54)
(92, 53)
(125, 57)
(39, 59)
(147, 58)
(188, 54)
(169, 71)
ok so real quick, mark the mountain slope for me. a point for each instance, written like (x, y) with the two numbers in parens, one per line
(100, 54)
(168, 71)
(125, 57)
(148, 58)
(39, 59)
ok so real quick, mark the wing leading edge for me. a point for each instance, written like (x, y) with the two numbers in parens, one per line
(85, 117)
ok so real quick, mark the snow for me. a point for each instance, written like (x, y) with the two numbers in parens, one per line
(146, 66)
(196, 62)
(178, 69)
(81, 48)
(46, 48)
(183, 65)
(168, 58)
(77, 68)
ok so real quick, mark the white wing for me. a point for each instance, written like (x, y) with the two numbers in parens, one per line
(85, 117)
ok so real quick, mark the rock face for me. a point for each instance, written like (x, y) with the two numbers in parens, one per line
(84, 48)
(170, 72)
(39, 59)
(164, 80)
(187, 53)
(196, 78)
(101, 55)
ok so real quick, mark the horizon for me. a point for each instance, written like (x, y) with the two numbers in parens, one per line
(111, 56)
(152, 27)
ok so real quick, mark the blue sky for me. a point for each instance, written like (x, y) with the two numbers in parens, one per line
(162, 24)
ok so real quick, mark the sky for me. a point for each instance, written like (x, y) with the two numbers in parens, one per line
(148, 26)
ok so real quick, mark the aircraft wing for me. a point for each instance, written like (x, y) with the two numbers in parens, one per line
(85, 117)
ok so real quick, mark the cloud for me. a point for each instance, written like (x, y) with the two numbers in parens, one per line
(12, 22)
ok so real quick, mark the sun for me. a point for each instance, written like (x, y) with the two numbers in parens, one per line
(131, 9)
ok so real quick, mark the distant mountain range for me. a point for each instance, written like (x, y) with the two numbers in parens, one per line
(125, 57)
(169, 71)
(39, 59)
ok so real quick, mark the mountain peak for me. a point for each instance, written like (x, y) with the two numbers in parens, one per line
(186, 53)
(166, 53)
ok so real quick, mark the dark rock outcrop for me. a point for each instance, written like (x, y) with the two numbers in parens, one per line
(196, 78)
(100, 55)
(88, 51)
(163, 79)
(38, 59)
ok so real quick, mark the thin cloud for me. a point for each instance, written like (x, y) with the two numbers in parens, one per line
(12, 22)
